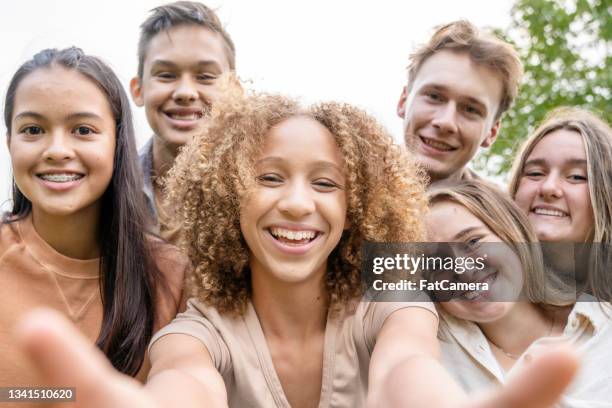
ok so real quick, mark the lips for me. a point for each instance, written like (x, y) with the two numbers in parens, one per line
(293, 236)
(184, 118)
(437, 145)
(60, 180)
(549, 211)
(294, 240)
(55, 177)
(475, 294)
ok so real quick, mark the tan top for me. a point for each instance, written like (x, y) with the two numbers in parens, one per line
(468, 357)
(33, 274)
(240, 353)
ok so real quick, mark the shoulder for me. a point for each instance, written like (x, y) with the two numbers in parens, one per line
(204, 324)
(372, 316)
(9, 235)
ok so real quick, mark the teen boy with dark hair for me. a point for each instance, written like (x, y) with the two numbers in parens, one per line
(182, 52)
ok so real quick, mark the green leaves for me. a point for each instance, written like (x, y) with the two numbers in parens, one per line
(566, 48)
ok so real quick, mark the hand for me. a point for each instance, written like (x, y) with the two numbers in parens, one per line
(65, 358)
(539, 385)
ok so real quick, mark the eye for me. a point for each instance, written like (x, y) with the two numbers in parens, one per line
(533, 174)
(434, 96)
(577, 177)
(165, 75)
(472, 110)
(325, 185)
(32, 130)
(473, 242)
(83, 130)
(206, 77)
(270, 179)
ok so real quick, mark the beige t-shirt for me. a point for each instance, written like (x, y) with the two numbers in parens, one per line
(467, 356)
(240, 353)
(33, 274)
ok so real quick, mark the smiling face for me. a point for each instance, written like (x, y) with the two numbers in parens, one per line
(452, 222)
(449, 111)
(295, 216)
(61, 142)
(554, 189)
(180, 81)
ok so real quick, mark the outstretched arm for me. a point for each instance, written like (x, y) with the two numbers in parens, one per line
(405, 371)
(182, 372)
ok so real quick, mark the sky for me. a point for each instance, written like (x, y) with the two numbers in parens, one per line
(352, 51)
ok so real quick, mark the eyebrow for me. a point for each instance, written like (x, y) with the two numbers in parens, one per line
(466, 231)
(470, 99)
(201, 63)
(28, 114)
(542, 162)
(318, 163)
(76, 115)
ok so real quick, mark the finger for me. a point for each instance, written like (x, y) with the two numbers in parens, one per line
(61, 353)
(66, 358)
(539, 385)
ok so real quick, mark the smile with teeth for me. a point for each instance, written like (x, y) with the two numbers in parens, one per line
(552, 213)
(185, 116)
(437, 145)
(293, 237)
(473, 294)
(60, 177)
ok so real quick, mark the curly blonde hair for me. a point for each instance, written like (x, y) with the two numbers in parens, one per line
(214, 174)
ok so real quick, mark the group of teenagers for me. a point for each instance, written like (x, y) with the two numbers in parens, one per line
(221, 266)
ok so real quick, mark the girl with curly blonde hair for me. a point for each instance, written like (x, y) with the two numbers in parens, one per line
(275, 201)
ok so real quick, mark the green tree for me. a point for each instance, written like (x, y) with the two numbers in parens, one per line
(566, 48)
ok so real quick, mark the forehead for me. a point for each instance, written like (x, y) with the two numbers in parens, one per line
(301, 138)
(567, 145)
(458, 73)
(447, 218)
(187, 44)
(68, 89)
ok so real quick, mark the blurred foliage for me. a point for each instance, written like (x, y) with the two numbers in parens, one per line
(565, 46)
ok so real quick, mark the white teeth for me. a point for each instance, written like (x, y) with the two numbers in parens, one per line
(188, 116)
(60, 178)
(292, 235)
(554, 213)
(437, 145)
(471, 295)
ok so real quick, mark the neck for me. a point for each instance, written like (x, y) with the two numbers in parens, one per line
(163, 157)
(74, 235)
(289, 310)
(521, 326)
(434, 178)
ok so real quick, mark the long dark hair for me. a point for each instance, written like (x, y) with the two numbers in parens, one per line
(129, 276)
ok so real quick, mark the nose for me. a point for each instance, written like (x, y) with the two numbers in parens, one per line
(297, 200)
(185, 91)
(59, 148)
(551, 186)
(445, 119)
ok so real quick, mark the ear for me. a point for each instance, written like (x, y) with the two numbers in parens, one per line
(136, 91)
(401, 104)
(488, 141)
(8, 141)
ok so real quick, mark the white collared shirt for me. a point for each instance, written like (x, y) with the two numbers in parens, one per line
(467, 356)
